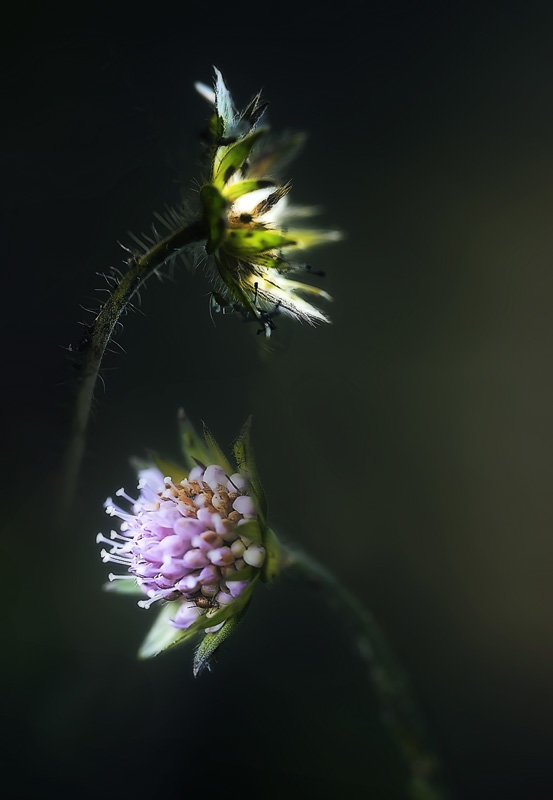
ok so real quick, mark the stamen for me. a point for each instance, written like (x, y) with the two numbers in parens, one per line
(115, 546)
(154, 598)
(122, 493)
(115, 511)
(115, 535)
(126, 562)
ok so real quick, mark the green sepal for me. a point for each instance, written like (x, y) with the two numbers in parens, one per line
(210, 643)
(162, 635)
(234, 157)
(243, 242)
(123, 587)
(235, 289)
(216, 127)
(169, 468)
(243, 453)
(273, 557)
(216, 615)
(251, 530)
(214, 209)
(270, 261)
(244, 574)
(276, 157)
(236, 190)
(254, 110)
(193, 446)
(216, 455)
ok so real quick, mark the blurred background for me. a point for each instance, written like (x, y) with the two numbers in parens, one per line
(408, 446)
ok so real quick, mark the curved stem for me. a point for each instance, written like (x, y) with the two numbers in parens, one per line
(399, 712)
(97, 339)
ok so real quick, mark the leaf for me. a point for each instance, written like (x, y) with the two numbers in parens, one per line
(163, 635)
(216, 455)
(254, 110)
(271, 261)
(232, 157)
(223, 101)
(193, 446)
(216, 615)
(304, 238)
(275, 197)
(209, 645)
(236, 190)
(251, 530)
(242, 242)
(273, 557)
(169, 468)
(244, 574)
(243, 453)
(274, 157)
(235, 289)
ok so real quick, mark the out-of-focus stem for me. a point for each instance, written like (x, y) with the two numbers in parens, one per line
(99, 335)
(398, 709)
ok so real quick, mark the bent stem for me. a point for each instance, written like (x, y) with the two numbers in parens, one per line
(97, 339)
(398, 709)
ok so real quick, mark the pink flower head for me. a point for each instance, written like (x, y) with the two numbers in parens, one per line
(182, 540)
(194, 543)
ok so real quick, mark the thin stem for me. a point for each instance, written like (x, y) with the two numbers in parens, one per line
(399, 712)
(94, 346)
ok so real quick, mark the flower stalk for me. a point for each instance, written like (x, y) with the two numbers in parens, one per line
(399, 713)
(94, 344)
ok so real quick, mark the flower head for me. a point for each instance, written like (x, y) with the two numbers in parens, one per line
(251, 230)
(194, 542)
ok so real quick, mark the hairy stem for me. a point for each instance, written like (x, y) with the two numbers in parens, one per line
(398, 710)
(99, 335)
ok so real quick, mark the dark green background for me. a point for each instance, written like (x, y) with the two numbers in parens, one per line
(408, 446)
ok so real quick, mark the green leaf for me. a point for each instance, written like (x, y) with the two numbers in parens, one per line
(235, 289)
(169, 468)
(236, 190)
(254, 110)
(243, 574)
(243, 242)
(216, 455)
(271, 261)
(271, 201)
(163, 635)
(209, 645)
(231, 158)
(275, 157)
(251, 530)
(243, 453)
(214, 209)
(193, 446)
(216, 615)
(273, 557)
(216, 127)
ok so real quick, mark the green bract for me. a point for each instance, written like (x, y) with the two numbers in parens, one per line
(247, 216)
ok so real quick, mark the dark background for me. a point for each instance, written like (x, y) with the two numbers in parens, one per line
(408, 446)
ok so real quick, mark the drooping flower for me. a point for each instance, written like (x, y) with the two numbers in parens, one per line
(194, 541)
(252, 235)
